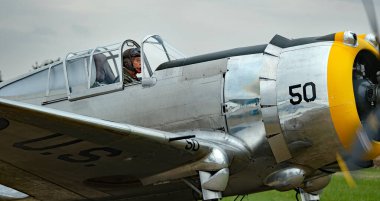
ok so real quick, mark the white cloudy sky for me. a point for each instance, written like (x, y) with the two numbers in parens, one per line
(35, 30)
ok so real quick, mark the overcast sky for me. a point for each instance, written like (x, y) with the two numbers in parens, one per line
(35, 30)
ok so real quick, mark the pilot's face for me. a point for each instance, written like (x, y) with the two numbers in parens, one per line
(136, 61)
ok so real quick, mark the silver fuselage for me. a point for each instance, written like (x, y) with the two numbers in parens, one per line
(246, 96)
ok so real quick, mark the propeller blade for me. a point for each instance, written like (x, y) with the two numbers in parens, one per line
(346, 172)
(371, 14)
(363, 150)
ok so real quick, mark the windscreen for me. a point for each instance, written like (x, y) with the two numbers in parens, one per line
(155, 52)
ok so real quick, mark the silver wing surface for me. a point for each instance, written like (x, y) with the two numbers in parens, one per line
(55, 155)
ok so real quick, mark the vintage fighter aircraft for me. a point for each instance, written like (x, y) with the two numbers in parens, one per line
(275, 116)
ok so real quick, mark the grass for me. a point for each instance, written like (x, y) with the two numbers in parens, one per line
(368, 185)
(367, 189)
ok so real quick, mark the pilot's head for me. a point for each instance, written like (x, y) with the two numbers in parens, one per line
(131, 60)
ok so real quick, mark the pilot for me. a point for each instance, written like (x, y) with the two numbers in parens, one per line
(131, 65)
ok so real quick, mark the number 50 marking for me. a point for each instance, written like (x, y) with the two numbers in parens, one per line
(297, 97)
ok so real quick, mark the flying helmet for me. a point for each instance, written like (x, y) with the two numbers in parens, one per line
(127, 58)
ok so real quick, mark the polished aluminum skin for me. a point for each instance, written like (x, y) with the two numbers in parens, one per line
(268, 93)
(225, 127)
(302, 123)
(310, 144)
(285, 179)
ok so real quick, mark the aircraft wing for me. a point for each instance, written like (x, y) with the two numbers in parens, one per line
(55, 155)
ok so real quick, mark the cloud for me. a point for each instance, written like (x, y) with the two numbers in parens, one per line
(80, 29)
(41, 29)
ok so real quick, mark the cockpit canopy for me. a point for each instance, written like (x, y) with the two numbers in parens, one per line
(90, 72)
